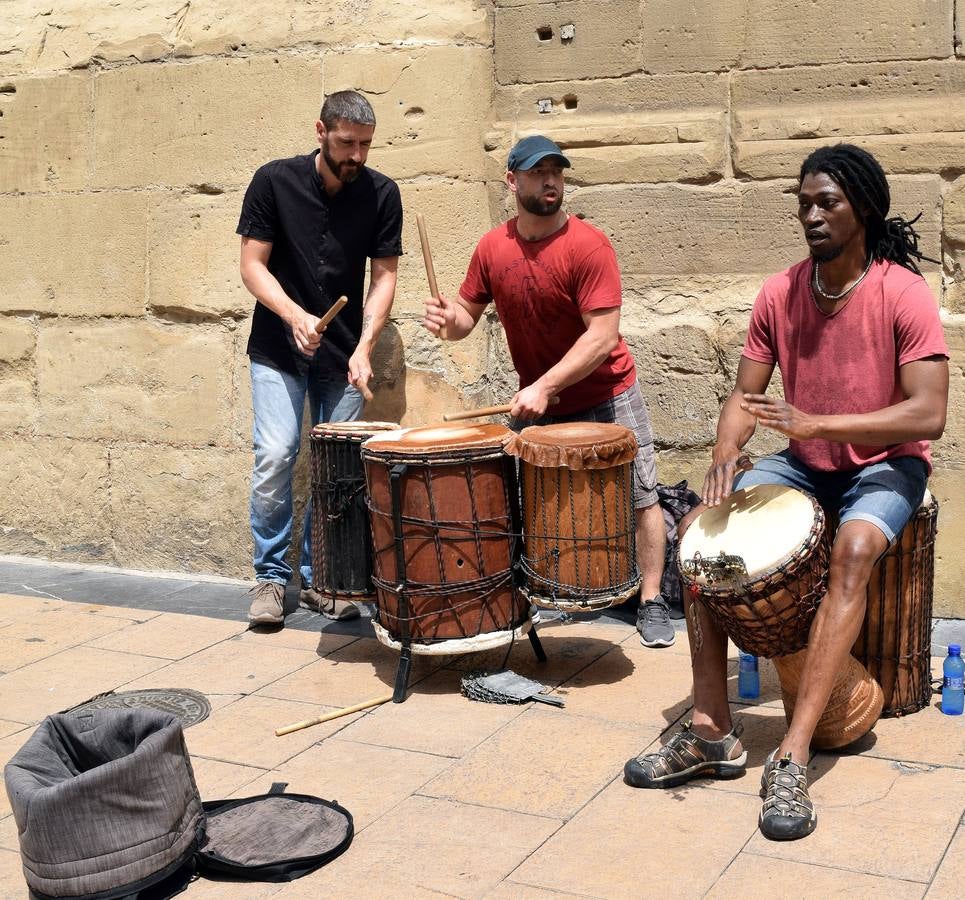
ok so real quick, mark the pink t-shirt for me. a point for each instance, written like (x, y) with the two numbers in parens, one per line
(848, 362)
(541, 289)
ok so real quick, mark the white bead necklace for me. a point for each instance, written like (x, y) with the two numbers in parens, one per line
(847, 290)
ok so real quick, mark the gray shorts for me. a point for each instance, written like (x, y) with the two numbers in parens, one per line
(630, 410)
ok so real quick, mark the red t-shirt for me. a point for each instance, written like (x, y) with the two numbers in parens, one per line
(848, 362)
(541, 289)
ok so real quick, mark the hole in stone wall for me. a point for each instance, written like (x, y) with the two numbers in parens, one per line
(8, 89)
(544, 33)
(570, 101)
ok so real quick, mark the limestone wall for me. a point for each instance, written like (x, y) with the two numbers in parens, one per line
(128, 133)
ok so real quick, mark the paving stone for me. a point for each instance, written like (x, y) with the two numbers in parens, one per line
(513, 890)
(68, 678)
(947, 884)
(449, 848)
(357, 672)
(926, 736)
(319, 643)
(597, 853)
(208, 889)
(574, 757)
(49, 632)
(436, 718)
(877, 817)
(8, 835)
(368, 781)
(231, 667)
(749, 872)
(217, 779)
(169, 636)
(244, 732)
(12, 882)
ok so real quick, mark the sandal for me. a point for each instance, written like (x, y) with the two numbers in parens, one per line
(687, 756)
(787, 813)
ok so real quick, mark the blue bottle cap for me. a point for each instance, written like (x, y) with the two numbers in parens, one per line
(955, 649)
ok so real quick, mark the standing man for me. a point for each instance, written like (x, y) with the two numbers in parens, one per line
(556, 286)
(856, 334)
(307, 226)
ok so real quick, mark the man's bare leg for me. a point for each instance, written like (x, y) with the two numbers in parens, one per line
(651, 548)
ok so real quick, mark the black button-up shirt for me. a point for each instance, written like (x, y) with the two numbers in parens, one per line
(319, 248)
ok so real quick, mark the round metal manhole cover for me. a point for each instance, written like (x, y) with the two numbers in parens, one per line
(189, 706)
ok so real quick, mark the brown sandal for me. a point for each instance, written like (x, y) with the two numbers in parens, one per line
(687, 756)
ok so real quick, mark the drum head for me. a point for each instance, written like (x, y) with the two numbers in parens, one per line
(441, 439)
(575, 445)
(357, 430)
(766, 525)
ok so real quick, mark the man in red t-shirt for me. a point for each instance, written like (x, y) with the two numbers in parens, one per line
(855, 332)
(556, 285)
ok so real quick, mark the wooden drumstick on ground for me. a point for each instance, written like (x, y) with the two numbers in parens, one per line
(430, 269)
(485, 411)
(336, 714)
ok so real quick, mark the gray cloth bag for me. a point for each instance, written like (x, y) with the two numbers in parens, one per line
(105, 802)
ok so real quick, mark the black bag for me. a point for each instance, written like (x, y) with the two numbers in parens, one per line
(675, 502)
(272, 837)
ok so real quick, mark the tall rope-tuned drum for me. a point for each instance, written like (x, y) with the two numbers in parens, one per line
(576, 486)
(341, 538)
(759, 564)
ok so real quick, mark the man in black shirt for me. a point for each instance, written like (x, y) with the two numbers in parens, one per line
(307, 226)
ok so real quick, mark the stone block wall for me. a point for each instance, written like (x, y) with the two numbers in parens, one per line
(129, 132)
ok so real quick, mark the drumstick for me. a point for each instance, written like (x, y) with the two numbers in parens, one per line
(333, 311)
(363, 385)
(430, 269)
(485, 411)
(337, 714)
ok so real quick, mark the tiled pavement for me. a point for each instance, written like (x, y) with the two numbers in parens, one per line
(461, 799)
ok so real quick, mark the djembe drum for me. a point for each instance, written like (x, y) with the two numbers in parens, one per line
(895, 640)
(341, 538)
(444, 526)
(579, 527)
(759, 563)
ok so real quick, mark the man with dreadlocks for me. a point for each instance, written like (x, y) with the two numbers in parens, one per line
(856, 334)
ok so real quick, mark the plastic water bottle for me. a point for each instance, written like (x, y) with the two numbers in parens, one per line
(748, 676)
(952, 690)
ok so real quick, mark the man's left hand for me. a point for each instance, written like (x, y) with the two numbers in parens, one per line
(779, 415)
(531, 402)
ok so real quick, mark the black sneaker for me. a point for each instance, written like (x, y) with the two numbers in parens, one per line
(687, 756)
(653, 623)
(787, 813)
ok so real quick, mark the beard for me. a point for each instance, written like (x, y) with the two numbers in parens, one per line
(345, 172)
(828, 254)
(539, 207)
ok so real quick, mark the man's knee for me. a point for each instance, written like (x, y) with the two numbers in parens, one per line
(857, 547)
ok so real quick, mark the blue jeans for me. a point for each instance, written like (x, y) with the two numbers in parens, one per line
(278, 402)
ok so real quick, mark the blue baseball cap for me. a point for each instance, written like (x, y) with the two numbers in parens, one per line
(530, 150)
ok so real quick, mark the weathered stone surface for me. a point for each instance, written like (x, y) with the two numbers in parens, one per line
(54, 499)
(182, 510)
(133, 381)
(421, 130)
(949, 450)
(335, 22)
(73, 254)
(17, 338)
(953, 212)
(195, 233)
(747, 33)
(196, 123)
(18, 405)
(567, 39)
(730, 228)
(43, 133)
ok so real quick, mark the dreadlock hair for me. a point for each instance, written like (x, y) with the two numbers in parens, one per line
(863, 181)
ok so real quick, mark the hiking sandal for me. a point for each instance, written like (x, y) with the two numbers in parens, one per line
(687, 756)
(787, 813)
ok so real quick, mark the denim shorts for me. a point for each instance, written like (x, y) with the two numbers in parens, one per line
(629, 410)
(885, 494)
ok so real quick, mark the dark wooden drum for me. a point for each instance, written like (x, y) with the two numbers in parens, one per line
(341, 538)
(895, 641)
(444, 526)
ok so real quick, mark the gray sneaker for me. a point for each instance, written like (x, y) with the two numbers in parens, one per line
(268, 607)
(653, 623)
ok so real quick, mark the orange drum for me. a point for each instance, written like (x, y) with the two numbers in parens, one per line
(443, 514)
(341, 539)
(579, 534)
(895, 641)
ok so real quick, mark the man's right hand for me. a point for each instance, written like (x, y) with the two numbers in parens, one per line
(303, 328)
(725, 463)
(440, 316)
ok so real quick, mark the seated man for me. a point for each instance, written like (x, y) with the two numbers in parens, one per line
(856, 334)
